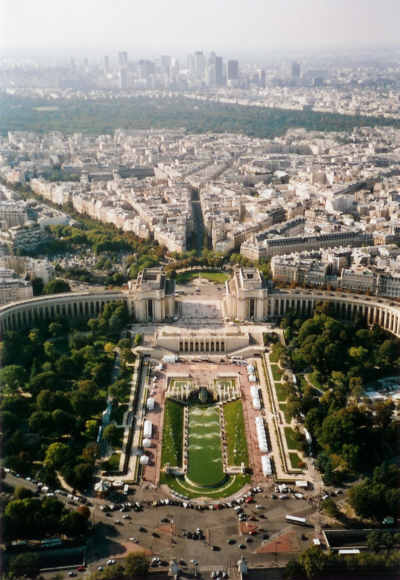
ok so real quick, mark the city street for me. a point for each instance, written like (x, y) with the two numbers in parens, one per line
(165, 538)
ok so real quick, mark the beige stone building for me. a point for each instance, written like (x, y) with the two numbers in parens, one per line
(151, 297)
(202, 341)
(246, 295)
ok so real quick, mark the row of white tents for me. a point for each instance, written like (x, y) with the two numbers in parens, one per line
(147, 433)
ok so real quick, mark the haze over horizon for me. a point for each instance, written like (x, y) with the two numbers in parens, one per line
(232, 27)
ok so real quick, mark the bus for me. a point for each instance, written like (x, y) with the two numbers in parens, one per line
(296, 520)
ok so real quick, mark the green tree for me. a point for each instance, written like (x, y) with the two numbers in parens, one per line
(49, 350)
(40, 422)
(25, 565)
(293, 570)
(57, 454)
(359, 353)
(330, 507)
(111, 434)
(91, 429)
(80, 476)
(10, 422)
(313, 561)
(22, 492)
(63, 422)
(368, 500)
(74, 524)
(37, 286)
(12, 377)
(56, 329)
(374, 541)
(56, 286)
(136, 565)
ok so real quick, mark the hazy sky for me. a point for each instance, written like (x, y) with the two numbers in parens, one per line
(152, 27)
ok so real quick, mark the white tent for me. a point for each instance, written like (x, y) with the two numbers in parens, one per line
(147, 429)
(170, 358)
(150, 403)
(146, 442)
(266, 465)
(144, 460)
(252, 378)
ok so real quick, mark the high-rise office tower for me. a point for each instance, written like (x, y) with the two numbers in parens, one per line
(199, 65)
(106, 65)
(211, 72)
(191, 63)
(219, 71)
(123, 59)
(261, 78)
(146, 68)
(166, 63)
(233, 70)
(295, 69)
(123, 78)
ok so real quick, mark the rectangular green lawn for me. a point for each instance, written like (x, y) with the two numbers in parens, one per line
(288, 416)
(185, 277)
(292, 442)
(235, 434)
(205, 458)
(172, 443)
(295, 461)
(281, 392)
(276, 372)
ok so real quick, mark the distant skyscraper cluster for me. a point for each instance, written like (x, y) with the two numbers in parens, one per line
(202, 70)
(212, 71)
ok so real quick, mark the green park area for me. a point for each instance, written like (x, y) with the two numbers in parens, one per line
(281, 392)
(205, 459)
(286, 412)
(112, 463)
(205, 477)
(231, 485)
(296, 461)
(102, 116)
(172, 434)
(235, 433)
(218, 277)
(277, 372)
(292, 441)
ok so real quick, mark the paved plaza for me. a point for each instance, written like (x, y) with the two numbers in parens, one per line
(196, 312)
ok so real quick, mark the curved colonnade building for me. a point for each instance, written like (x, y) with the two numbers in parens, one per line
(151, 298)
(249, 297)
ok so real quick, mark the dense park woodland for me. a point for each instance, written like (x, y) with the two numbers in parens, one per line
(56, 380)
(355, 440)
(104, 116)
